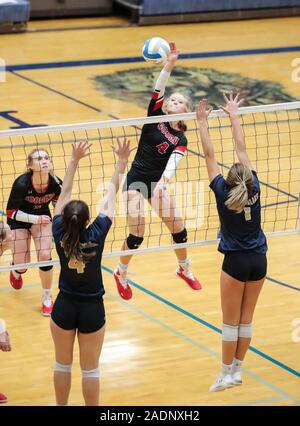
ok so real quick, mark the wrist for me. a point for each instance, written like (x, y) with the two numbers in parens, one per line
(172, 61)
(122, 161)
(169, 65)
(74, 161)
(121, 165)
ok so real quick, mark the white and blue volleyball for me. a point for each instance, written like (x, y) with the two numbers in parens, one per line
(156, 50)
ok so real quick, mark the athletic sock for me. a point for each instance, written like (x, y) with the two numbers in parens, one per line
(226, 369)
(236, 365)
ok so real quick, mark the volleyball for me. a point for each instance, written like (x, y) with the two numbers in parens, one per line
(156, 50)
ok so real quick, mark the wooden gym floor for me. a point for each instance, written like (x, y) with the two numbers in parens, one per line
(163, 346)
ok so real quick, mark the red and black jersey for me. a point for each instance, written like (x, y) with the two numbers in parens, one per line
(157, 141)
(24, 197)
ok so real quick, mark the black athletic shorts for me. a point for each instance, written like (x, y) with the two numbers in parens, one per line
(245, 266)
(141, 182)
(15, 224)
(75, 312)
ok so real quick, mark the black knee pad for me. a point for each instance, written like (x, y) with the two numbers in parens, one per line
(46, 268)
(133, 242)
(21, 273)
(180, 237)
(18, 272)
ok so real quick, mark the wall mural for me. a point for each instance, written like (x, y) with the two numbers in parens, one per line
(136, 85)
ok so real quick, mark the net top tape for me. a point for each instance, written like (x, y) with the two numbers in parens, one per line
(143, 120)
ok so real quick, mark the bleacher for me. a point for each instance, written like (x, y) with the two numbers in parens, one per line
(148, 12)
(14, 15)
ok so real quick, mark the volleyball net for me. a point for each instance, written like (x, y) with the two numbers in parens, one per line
(272, 135)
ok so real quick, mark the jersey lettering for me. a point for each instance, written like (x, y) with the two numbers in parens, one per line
(39, 200)
(171, 138)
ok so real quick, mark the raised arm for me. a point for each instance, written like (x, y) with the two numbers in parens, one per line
(122, 151)
(167, 69)
(79, 151)
(231, 108)
(161, 82)
(202, 113)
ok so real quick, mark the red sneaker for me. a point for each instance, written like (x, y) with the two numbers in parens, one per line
(3, 398)
(47, 307)
(16, 283)
(122, 285)
(189, 278)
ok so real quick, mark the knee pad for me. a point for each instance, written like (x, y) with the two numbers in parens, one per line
(46, 268)
(230, 333)
(62, 368)
(18, 272)
(245, 330)
(180, 237)
(91, 373)
(21, 273)
(133, 241)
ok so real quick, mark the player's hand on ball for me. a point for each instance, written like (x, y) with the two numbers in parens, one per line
(174, 52)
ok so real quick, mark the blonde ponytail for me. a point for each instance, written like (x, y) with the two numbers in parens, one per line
(240, 181)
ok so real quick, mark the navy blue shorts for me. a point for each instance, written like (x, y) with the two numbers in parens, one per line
(81, 313)
(245, 266)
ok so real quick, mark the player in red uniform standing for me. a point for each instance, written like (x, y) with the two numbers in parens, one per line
(29, 216)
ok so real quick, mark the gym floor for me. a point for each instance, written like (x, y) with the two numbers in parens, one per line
(163, 346)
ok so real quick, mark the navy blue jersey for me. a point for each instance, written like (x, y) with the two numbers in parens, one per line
(239, 231)
(157, 142)
(24, 197)
(78, 278)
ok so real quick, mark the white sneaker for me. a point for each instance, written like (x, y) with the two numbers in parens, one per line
(237, 378)
(222, 383)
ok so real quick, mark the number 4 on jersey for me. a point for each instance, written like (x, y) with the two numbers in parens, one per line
(76, 264)
(162, 147)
